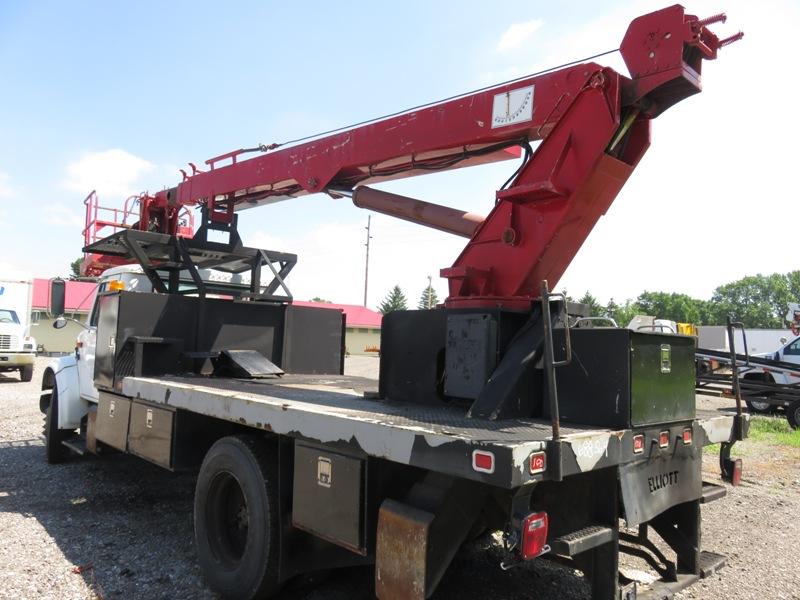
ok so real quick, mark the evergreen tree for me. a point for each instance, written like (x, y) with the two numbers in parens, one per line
(75, 268)
(429, 299)
(595, 309)
(395, 300)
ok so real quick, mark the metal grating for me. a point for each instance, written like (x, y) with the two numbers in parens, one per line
(7, 342)
(124, 364)
(321, 390)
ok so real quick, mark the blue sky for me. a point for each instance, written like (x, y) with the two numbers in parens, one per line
(120, 95)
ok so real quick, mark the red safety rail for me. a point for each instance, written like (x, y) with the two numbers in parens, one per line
(102, 221)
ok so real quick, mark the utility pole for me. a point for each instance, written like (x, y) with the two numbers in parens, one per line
(366, 264)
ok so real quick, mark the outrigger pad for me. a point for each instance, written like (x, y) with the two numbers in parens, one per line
(245, 363)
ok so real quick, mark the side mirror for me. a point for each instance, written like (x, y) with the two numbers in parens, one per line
(59, 323)
(58, 292)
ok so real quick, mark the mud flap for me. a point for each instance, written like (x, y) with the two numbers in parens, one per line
(418, 538)
(402, 551)
(655, 484)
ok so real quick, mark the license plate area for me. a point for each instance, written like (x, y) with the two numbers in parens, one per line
(664, 479)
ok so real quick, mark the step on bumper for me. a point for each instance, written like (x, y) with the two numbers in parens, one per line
(710, 563)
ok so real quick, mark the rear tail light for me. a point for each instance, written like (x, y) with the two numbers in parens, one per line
(732, 470)
(687, 436)
(736, 474)
(663, 439)
(483, 461)
(638, 444)
(538, 463)
(534, 536)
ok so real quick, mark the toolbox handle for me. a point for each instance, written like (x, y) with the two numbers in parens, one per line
(580, 321)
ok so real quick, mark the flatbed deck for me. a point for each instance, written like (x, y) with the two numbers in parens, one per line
(344, 411)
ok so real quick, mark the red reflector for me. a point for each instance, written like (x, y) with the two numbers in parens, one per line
(663, 439)
(534, 535)
(538, 463)
(687, 436)
(736, 478)
(638, 444)
(483, 462)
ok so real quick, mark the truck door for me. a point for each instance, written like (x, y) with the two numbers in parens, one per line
(85, 351)
(791, 352)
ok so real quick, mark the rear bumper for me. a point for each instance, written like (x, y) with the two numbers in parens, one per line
(15, 360)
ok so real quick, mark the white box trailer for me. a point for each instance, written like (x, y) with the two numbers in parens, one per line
(17, 347)
(759, 341)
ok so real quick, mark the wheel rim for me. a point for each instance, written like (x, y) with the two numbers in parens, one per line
(228, 518)
(761, 406)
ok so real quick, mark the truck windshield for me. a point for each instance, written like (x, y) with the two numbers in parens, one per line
(8, 316)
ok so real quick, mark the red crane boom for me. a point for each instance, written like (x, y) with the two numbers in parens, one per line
(594, 127)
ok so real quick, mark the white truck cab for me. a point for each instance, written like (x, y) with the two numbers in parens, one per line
(127, 277)
(789, 352)
(17, 347)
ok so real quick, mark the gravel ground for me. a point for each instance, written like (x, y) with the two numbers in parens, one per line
(122, 528)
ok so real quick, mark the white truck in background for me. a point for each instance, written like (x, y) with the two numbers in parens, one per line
(17, 347)
(768, 380)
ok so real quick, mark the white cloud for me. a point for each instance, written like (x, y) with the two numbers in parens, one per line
(684, 205)
(516, 34)
(331, 259)
(113, 173)
(58, 214)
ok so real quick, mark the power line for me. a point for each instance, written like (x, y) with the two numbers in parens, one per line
(264, 148)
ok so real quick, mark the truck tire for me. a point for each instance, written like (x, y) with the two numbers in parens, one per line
(26, 373)
(55, 451)
(759, 408)
(755, 406)
(793, 414)
(236, 518)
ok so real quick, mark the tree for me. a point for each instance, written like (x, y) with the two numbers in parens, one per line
(621, 313)
(395, 300)
(793, 279)
(756, 300)
(672, 306)
(75, 268)
(322, 300)
(428, 299)
(595, 309)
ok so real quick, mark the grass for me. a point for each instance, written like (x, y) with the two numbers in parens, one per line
(771, 431)
(774, 431)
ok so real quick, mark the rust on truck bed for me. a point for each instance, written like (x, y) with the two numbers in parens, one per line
(333, 409)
